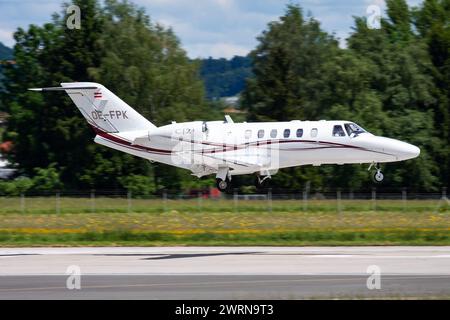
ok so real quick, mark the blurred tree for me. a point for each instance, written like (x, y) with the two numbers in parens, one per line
(393, 81)
(402, 80)
(288, 64)
(153, 74)
(139, 185)
(432, 21)
(46, 179)
(382, 81)
(117, 46)
(15, 187)
(161, 82)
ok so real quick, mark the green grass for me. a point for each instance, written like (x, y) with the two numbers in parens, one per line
(49, 205)
(295, 238)
(114, 221)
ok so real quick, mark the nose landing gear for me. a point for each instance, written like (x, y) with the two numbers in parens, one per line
(378, 176)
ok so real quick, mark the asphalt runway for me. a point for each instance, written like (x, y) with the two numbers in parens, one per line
(224, 272)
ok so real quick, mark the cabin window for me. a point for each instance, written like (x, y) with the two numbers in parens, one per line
(338, 131)
(286, 133)
(299, 133)
(261, 133)
(273, 133)
(248, 134)
(314, 132)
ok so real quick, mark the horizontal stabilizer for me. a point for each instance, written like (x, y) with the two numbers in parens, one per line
(62, 88)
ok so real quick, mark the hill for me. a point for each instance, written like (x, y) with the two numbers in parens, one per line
(225, 78)
(5, 52)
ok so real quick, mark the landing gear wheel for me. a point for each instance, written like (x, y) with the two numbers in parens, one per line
(378, 176)
(261, 182)
(223, 185)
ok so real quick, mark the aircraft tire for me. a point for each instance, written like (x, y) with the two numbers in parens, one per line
(223, 185)
(378, 176)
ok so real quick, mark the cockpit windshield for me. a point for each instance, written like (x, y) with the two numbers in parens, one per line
(353, 129)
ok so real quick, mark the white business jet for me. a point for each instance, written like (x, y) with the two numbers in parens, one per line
(225, 148)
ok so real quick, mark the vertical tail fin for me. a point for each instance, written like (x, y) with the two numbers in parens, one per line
(102, 108)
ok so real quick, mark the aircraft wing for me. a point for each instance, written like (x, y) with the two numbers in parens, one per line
(142, 141)
(250, 163)
(203, 162)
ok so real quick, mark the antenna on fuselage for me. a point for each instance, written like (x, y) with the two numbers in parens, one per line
(228, 119)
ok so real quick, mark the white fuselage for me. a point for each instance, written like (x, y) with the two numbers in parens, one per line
(226, 148)
(244, 148)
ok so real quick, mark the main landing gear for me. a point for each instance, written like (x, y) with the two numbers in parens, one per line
(377, 176)
(262, 182)
(223, 185)
(223, 179)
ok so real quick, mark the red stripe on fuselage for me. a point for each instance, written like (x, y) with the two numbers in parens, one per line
(228, 147)
(126, 143)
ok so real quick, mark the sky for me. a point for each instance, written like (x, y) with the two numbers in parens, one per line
(216, 28)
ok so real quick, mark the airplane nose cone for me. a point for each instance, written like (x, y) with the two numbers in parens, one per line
(407, 151)
(394, 150)
(415, 151)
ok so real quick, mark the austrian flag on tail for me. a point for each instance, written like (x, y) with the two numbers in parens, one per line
(97, 94)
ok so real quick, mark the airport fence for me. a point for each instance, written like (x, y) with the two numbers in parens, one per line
(340, 200)
(342, 217)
